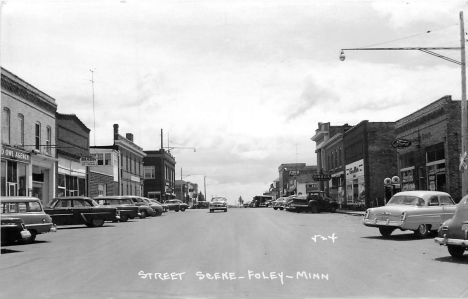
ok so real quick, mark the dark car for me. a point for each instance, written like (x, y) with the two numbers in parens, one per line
(30, 210)
(314, 202)
(12, 230)
(157, 207)
(143, 206)
(202, 205)
(176, 205)
(80, 210)
(126, 208)
(246, 204)
(453, 232)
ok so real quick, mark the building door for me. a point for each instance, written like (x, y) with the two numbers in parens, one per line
(37, 191)
(12, 189)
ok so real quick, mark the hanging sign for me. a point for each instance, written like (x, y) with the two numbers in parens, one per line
(400, 143)
(88, 161)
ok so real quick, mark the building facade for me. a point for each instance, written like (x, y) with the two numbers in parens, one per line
(431, 161)
(72, 144)
(28, 163)
(159, 175)
(104, 178)
(296, 178)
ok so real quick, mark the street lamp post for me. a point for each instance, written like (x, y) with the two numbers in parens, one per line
(428, 50)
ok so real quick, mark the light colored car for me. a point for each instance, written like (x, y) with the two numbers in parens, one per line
(279, 203)
(453, 233)
(420, 211)
(218, 203)
(30, 210)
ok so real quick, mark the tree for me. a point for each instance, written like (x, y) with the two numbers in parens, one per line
(201, 197)
(241, 201)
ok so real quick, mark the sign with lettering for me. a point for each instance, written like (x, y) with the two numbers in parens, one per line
(15, 154)
(321, 177)
(294, 172)
(88, 160)
(400, 143)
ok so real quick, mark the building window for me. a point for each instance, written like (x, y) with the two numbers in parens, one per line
(339, 157)
(6, 125)
(149, 172)
(21, 128)
(38, 135)
(100, 159)
(102, 189)
(48, 139)
(336, 159)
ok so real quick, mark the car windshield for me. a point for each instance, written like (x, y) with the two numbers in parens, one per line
(52, 203)
(406, 200)
(218, 199)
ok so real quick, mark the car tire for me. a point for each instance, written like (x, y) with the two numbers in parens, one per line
(123, 218)
(177, 210)
(225, 210)
(281, 209)
(143, 214)
(275, 209)
(211, 211)
(456, 251)
(333, 210)
(31, 239)
(97, 222)
(386, 231)
(422, 231)
(314, 209)
(182, 209)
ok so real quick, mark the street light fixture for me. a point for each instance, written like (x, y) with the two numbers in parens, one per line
(463, 83)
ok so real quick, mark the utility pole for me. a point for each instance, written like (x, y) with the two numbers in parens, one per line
(94, 113)
(463, 106)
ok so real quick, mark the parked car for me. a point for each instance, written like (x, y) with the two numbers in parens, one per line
(176, 205)
(12, 230)
(30, 210)
(164, 206)
(420, 211)
(143, 207)
(126, 208)
(218, 203)
(453, 232)
(279, 203)
(247, 204)
(157, 208)
(80, 210)
(202, 205)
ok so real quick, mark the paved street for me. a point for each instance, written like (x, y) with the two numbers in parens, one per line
(244, 253)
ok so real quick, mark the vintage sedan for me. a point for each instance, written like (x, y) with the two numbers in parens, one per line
(279, 203)
(420, 211)
(125, 207)
(30, 210)
(453, 233)
(12, 230)
(164, 206)
(218, 203)
(176, 205)
(157, 207)
(80, 210)
(143, 206)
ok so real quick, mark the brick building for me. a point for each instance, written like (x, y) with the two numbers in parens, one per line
(159, 175)
(369, 158)
(72, 144)
(104, 178)
(431, 161)
(295, 178)
(28, 139)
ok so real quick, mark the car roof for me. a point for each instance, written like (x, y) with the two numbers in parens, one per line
(421, 193)
(72, 197)
(18, 198)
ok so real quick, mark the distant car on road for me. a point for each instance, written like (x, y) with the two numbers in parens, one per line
(279, 203)
(218, 203)
(202, 205)
(176, 205)
(80, 210)
(246, 204)
(157, 208)
(30, 210)
(12, 230)
(454, 231)
(420, 211)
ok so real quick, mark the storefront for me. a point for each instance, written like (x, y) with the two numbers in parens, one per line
(355, 184)
(15, 172)
(71, 178)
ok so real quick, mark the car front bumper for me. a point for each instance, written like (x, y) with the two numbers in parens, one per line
(218, 208)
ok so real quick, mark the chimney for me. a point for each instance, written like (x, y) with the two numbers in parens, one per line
(116, 132)
(129, 136)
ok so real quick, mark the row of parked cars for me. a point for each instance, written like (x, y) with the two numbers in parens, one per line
(23, 218)
(313, 202)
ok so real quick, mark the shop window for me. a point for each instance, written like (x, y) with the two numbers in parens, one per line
(102, 190)
(61, 185)
(6, 125)
(38, 135)
(21, 128)
(22, 179)
(435, 153)
(107, 159)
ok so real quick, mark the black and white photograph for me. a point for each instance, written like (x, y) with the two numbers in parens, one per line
(205, 149)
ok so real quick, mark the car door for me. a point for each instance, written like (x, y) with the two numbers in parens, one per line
(448, 208)
(61, 213)
(434, 211)
(81, 210)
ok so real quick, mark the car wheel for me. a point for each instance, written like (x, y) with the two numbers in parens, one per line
(30, 239)
(456, 251)
(182, 209)
(225, 210)
(386, 231)
(177, 210)
(422, 231)
(275, 209)
(281, 209)
(97, 222)
(211, 211)
(313, 209)
(333, 210)
(123, 218)
(143, 214)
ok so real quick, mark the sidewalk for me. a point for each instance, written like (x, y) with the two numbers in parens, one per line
(350, 212)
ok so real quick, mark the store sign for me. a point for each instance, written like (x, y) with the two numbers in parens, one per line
(88, 161)
(321, 177)
(294, 172)
(400, 143)
(15, 154)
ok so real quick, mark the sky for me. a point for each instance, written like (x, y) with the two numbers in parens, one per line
(237, 87)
